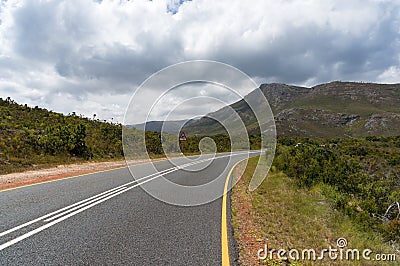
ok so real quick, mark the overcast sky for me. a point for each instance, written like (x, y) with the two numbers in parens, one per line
(90, 56)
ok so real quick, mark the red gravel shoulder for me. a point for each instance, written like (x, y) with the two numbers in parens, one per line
(62, 171)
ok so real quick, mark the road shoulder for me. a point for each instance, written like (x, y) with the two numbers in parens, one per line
(281, 215)
(26, 178)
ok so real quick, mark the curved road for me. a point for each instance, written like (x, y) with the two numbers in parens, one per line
(107, 218)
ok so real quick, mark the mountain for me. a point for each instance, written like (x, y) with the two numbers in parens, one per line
(336, 109)
(170, 127)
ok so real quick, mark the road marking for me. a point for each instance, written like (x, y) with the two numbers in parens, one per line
(83, 201)
(93, 201)
(59, 179)
(82, 205)
(224, 222)
(75, 204)
(43, 227)
(70, 177)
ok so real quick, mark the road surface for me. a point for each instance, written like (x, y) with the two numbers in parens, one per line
(107, 218)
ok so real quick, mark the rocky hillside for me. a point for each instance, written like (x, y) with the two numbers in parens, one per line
(336, 109)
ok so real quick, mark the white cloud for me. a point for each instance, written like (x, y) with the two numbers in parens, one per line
(88, 56)
(390, 75)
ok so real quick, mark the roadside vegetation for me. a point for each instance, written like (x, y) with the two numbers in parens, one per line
(318, 191)
(360, 177)
(32, 138)
(35, 137)
(356, 178)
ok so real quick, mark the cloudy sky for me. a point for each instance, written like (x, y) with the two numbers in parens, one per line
(90, 56)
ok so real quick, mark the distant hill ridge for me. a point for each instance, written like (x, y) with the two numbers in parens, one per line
(335, 109)
(171, 127)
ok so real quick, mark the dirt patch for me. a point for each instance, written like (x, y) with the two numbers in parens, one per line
(247, 231)
(62, 171)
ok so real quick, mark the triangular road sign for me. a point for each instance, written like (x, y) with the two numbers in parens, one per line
(182, 136)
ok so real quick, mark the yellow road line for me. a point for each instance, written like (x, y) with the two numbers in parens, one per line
(224, 226)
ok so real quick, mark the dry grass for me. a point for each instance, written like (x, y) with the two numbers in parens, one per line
(287, 217)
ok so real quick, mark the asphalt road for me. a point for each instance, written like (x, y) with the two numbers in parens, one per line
(107, 218)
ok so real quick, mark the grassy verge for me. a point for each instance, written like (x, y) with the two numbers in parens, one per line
(284, 216)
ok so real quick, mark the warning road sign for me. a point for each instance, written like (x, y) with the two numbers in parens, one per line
(182, 136)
